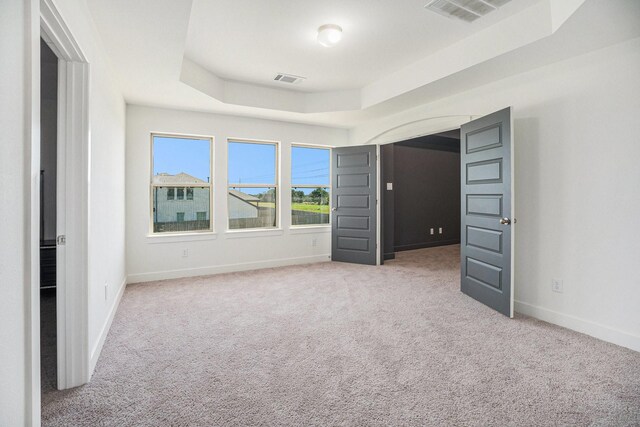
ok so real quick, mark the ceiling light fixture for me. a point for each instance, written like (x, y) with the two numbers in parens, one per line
(329, 35)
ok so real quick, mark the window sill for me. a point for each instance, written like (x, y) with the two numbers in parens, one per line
(181, 237)
(310, 229)
(253, 232)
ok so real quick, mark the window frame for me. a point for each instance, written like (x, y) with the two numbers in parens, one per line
(277, 184)
(211, 184)
(292, 185)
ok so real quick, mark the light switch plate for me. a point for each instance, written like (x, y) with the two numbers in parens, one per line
(389, 186)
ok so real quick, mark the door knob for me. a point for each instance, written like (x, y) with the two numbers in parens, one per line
(505, 221)
(334, 209)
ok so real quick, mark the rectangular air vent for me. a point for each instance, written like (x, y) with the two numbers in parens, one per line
(466, 10)
(288, 78)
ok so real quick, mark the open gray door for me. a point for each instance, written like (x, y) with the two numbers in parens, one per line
(353, 201)
(487, 208)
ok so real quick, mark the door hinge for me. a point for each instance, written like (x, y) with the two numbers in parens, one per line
(61, 240)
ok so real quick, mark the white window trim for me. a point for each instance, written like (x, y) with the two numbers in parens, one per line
(253, 232)
(329, 186)
(277, 185)
(181, 237)
(310, 229)
(210, 184)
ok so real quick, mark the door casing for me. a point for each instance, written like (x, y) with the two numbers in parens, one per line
(73, 150)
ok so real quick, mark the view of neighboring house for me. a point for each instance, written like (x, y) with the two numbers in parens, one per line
(181, 202)
(251, 211)
(180, 198)
(242, 205)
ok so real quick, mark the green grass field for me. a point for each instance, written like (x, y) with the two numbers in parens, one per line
(300, 207)
(310, 208)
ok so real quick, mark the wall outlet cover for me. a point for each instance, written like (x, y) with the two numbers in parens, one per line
(557, 285)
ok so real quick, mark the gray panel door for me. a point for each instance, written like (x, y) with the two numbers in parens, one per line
(487, 211)
(353, 201)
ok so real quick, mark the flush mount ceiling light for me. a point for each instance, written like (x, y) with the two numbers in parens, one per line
(329, 35)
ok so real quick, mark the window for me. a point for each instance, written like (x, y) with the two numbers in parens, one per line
(310, 185)
(181, 191)
(253, 185)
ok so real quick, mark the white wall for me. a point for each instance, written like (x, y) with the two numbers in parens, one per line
(19, 76)
(19, 84)
(151, 258)
(577, 186)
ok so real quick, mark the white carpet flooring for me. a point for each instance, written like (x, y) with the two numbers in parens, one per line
(342, 344)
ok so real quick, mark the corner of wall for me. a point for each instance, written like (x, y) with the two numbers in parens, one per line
(578, 324)
(97, 349)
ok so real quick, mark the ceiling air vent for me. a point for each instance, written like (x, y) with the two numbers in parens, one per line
(467, 10)
(288, 78)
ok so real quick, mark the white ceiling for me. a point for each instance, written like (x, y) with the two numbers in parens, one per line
(252, 41)
(220, 56)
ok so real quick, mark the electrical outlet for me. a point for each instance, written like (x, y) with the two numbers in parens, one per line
(314, 242)
(440, 230)
(185, 253)
(431, 231)
(557, 285)
(106, 290)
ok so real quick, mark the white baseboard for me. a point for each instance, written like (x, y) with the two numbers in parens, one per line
(578, 324)
(228, 268)
(97, 349)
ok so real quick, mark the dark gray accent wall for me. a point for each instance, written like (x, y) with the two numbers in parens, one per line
(426, 187)
(48, 141)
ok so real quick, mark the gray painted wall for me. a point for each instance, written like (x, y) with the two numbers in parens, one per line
(426, 193)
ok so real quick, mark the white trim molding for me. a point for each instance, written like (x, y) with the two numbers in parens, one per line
(228, 268)
(97, 348)
(74, 146)
(310, 229)
(32, 210)
(578, 324)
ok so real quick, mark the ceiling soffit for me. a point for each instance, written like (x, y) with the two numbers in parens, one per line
(506, 36)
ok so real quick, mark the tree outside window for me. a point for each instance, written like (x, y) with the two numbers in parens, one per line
(310, 197)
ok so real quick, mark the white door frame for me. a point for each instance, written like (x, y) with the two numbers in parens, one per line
(409, 130)
(73, 140)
